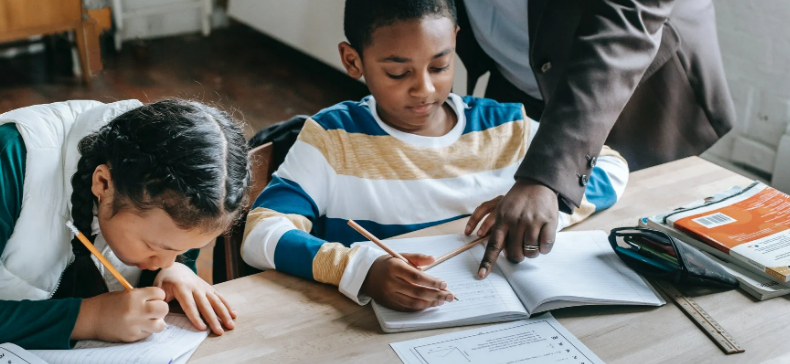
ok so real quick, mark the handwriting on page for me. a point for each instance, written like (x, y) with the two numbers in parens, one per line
(535, 341)
(476, 297)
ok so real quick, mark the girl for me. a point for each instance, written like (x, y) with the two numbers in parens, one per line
(146, 183)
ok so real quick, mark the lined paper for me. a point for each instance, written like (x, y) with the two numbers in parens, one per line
(581, 269)
(179, 339)
(488, 300)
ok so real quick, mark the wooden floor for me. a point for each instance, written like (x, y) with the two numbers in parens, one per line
(259, 79)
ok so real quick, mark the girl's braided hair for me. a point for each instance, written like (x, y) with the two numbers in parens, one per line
(183, 157)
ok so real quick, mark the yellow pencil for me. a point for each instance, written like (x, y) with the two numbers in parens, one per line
(98, 255)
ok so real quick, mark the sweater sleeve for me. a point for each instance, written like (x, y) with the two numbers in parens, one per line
(279, 225)
(30, 324)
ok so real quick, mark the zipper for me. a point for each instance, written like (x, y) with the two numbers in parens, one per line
(60, 279)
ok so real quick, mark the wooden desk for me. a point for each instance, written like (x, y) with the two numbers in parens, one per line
(283, 319)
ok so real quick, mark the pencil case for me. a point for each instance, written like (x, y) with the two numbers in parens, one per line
(655, 254)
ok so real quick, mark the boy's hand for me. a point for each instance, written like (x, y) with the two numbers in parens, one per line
(526, 223)
(196, 298)
(400, 286)
(121, 316)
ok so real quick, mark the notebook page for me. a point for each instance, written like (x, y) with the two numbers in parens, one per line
(178, 339)
(477, 299)
(13, 354)
(581, 269)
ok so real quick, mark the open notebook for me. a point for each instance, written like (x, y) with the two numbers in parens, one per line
(173, 346)
(581, 269)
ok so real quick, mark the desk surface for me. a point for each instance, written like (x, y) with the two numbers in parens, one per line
(283, 319)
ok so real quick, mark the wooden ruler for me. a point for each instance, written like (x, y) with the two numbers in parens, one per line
(701, 318)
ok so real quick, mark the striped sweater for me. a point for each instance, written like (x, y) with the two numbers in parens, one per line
(348, 164)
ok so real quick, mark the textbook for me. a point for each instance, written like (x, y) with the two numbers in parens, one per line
(750, 225)
(175, 345)
(754, 281)
(582, 269)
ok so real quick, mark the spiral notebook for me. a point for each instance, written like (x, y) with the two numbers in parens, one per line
(581, 269)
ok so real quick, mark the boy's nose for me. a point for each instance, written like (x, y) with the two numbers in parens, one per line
(423, 86)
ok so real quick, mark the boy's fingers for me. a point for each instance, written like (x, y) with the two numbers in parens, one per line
(208, 313)
(493, 248)
(189, 306)
(423, 293)
(221, 311)
(419, 259)
(415, 276)
(410, 303)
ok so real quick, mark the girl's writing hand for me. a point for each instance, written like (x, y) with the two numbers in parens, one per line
(122, 316)
(398, 285)
(196, 298)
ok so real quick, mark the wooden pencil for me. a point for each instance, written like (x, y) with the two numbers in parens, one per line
(99, 255)
(381, 245)
(454, 253)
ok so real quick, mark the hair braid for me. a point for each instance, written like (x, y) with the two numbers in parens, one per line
(82, 278)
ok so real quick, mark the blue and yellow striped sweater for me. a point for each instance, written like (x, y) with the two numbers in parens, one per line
(348, 164)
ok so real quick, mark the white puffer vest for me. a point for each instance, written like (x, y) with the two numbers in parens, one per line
(39, 249)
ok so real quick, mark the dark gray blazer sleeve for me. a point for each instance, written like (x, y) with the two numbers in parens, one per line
(614, 45)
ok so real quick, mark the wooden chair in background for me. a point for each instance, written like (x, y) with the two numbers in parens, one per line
(261, 169)
(21, 19)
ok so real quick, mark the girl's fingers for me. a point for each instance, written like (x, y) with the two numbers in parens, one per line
(221, 310)
(208, 312)
(189, 306)
(227, 304)
(410, 303)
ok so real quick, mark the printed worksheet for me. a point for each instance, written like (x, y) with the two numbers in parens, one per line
(539, 340)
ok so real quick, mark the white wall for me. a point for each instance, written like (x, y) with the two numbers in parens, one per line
(755, 42)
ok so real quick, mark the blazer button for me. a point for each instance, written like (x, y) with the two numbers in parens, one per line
(583, 180)
(593, 161)
(546, 67)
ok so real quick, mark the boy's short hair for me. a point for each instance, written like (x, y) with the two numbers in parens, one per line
(363, 17)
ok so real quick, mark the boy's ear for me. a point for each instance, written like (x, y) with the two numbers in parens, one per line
(351, 59)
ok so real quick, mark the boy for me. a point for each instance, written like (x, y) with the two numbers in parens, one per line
(410, 156)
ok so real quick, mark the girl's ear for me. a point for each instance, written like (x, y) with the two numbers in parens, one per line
(102, 186)
(351, 59)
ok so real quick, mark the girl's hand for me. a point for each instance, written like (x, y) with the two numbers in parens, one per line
(398, 285)
(196, 298)
(121, 316)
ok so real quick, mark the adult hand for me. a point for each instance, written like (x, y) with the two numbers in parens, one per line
(525, 224)
(197, 298)
(400, 286)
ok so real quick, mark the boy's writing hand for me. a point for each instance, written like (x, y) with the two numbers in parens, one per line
(400, 286)
(121, 316)
(196, 298)
(525, 224)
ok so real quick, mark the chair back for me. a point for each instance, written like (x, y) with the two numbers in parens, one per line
(261, 170)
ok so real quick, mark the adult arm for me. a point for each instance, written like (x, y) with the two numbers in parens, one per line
(615, 43)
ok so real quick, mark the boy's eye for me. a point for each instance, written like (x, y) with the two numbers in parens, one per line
(440, 69)
(397, 77)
